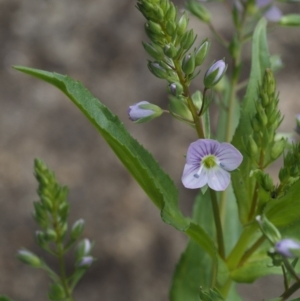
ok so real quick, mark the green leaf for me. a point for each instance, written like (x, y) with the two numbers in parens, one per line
(285, 210)
(138, 161)
(195, 267)
(243, 185)
(257, 266)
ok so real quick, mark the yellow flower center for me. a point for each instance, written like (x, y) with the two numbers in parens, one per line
(209, 161)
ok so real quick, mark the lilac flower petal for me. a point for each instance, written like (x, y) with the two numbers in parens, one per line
(135, 112)
(273, 14)
(262, 3)
(189, 180)
(286, 246)
(222, 157)
(218, 179)
(200, 148)
(230, 158)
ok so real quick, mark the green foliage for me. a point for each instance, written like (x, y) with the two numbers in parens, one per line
(139, 162)
(243, 184)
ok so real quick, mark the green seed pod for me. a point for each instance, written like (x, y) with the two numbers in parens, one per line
(188, 64)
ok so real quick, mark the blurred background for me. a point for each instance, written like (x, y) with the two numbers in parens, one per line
(98, 42)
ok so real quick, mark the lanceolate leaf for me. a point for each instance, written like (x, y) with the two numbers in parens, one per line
(139, 162)
(195, 267)
(244, 185)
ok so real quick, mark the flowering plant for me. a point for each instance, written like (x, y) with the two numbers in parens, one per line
(244, 226)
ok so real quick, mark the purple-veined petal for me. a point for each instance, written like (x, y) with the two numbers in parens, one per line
(189, 180)
(200, 148)
(218, 178)
(229, 157)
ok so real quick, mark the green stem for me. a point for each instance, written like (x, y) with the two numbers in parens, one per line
(216, 213)
(250, 251)
(290, 291)
(241, 246)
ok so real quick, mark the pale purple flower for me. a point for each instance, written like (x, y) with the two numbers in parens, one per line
(214, 74)
(86, 262)
(272, 13)
(209, 162)
(285, 247)
(135, 112)
(143, 111)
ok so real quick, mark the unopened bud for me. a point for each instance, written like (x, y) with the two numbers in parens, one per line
(290, 20)
(198, 10)
(252, 148)
(143, 111)
(157, 70)
(201, 52)
(176, 89)
(255, 125)
(269, 83)
(29, 258)
(188, 64)
(77, 229)
(170, 27)
(85, 262)
(154, 51)
(182, 25)
(170, 51)
(288, 248)
(171, 13)
(187, 39)
(179, 109)
(214, 74)
(267, 183)
(154, 28)
(83, 248)
(268, 229)
(278, 148)
(56, 292)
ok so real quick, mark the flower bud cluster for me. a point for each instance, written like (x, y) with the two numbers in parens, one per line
(264, 123)
(51, 213)
(290, 172)
(170, 48)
